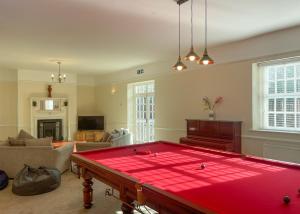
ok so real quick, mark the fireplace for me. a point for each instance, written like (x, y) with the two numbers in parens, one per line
(50, 128)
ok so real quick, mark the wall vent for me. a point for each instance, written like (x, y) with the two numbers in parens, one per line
(140, 71)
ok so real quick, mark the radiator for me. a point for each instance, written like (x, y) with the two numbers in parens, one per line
(290, 153)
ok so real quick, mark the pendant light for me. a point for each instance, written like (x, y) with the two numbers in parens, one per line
(179, 66)
(206, 60)
(192, 56)
(60, 77)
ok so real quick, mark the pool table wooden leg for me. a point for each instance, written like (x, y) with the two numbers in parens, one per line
(127, 209)
(87, 192)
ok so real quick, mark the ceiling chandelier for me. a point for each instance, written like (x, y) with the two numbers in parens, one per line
(192, 55)
(60, 78)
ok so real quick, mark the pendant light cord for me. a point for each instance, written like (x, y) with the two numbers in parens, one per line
(58, 68)
(205, 23)
(192, 33)
(179, 29)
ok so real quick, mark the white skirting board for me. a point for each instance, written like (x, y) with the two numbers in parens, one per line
(290, 153)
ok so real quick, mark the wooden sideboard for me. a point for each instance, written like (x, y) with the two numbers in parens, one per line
(222, 135)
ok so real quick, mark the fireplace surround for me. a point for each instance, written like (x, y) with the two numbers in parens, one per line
(56, 118)
(50, 128)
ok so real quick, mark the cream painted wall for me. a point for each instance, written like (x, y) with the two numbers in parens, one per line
(86, 100)
(8, 107)
(86, 95)
(178, 95)
(112, 106)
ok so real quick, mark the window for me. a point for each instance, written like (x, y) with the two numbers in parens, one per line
(277, 95)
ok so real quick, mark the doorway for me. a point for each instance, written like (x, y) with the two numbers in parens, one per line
(141, 111)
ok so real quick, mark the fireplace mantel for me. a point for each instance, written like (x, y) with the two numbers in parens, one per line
(44, 108)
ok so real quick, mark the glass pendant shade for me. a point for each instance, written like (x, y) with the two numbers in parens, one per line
(191, 56)
(179, 66)
(206, 59)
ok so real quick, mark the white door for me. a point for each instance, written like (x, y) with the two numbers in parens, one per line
(143, 110)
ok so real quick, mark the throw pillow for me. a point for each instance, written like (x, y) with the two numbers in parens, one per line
(105, 137)
(109, 138)
(98, 136)
(47, 141)
(125, 131)
(115, 135)
(24, 135)
(115, 131)
(16, 142)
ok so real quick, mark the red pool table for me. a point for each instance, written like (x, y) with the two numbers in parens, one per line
(179, 179)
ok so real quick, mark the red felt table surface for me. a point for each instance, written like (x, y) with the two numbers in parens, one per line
(229, 183)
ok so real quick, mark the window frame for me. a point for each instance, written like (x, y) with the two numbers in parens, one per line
(261, 95)
(132, 96)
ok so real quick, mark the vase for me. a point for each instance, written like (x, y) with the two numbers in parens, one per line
(211, 115)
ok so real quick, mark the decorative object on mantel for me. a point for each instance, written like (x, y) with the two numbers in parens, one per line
(49, 91)
(61, 78)
(210, 107)
(192, 55)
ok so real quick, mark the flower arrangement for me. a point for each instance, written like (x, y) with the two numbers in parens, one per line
(208, 105)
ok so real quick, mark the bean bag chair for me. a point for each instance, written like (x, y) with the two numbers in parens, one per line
(3, 180)
(32, 181)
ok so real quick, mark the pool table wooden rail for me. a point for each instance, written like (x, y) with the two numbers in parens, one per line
(159, 200)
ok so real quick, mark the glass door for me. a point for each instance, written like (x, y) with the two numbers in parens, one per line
(143, 111)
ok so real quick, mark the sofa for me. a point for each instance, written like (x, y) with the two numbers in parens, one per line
(116, 138)
(13, 158)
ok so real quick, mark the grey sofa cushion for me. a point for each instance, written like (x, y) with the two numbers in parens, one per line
(116, 133)
(24, 135)
(105, 137)
(16, 142)
(20, 139)
(47, 141)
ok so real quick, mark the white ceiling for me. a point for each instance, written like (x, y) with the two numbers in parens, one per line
(107, 35)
